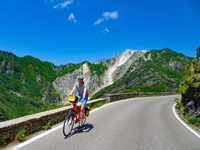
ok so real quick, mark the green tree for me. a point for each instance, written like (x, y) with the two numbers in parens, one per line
(198, 52)
(190, 87)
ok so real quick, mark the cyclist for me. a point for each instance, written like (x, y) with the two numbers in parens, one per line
(81, 88)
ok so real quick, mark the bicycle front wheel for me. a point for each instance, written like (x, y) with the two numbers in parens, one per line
(68, 124)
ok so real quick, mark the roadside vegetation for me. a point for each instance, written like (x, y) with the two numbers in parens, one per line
(189, 105)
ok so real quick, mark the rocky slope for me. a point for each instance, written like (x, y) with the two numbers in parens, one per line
(116, 68)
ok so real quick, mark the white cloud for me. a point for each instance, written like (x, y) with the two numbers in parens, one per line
(106, 16)
(98, 21)
(71, 17)
(49, 1)
(63, 4)
(110, 15)
(105, 30)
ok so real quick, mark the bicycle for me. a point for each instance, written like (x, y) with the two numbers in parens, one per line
(73, 116)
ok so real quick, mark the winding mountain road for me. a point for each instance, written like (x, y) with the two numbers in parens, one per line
(133, 124)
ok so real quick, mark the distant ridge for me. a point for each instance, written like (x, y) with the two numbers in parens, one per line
(29, 85)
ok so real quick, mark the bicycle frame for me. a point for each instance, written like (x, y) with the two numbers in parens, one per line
(72, 117)
(76, 109)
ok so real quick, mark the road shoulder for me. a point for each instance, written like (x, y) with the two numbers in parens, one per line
(194, 129)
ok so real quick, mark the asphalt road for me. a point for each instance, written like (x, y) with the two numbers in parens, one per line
(134, 124)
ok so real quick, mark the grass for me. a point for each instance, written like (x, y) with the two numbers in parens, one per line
(47, 126)
(191, 119)
(99, 104)
(3, 142)
(179, 105)
(21, 135)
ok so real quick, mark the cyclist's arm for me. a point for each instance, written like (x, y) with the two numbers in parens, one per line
(73, 90)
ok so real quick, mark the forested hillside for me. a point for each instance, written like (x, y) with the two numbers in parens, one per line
(26, 85)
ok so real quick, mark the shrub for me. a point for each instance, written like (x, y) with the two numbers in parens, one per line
(179, 104)
(191, 119)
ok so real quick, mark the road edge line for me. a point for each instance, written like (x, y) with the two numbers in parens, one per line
(34, 138)
(183, 123)
(20, 145)
(16, 147)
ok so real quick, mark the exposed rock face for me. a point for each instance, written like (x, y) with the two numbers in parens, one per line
(190, 88)
(175, 65)
(120, 63)
(117, 66)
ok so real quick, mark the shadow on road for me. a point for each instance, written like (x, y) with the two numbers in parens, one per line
(86, 128)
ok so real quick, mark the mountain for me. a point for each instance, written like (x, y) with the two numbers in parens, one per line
(29, 85)
(100, 74)
(154, 71)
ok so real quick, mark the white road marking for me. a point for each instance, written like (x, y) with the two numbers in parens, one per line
(35, 138)
(48, 132)
(60, 126)
(181, 121)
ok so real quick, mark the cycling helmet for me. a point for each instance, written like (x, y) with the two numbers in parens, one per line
(80, 77)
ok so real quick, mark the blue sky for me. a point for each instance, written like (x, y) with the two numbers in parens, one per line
(72, 31)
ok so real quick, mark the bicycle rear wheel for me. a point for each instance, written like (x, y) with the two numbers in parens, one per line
(68, 124)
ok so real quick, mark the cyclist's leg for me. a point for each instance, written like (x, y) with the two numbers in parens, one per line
(83, 104)
(84, 101)
(79, 98)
